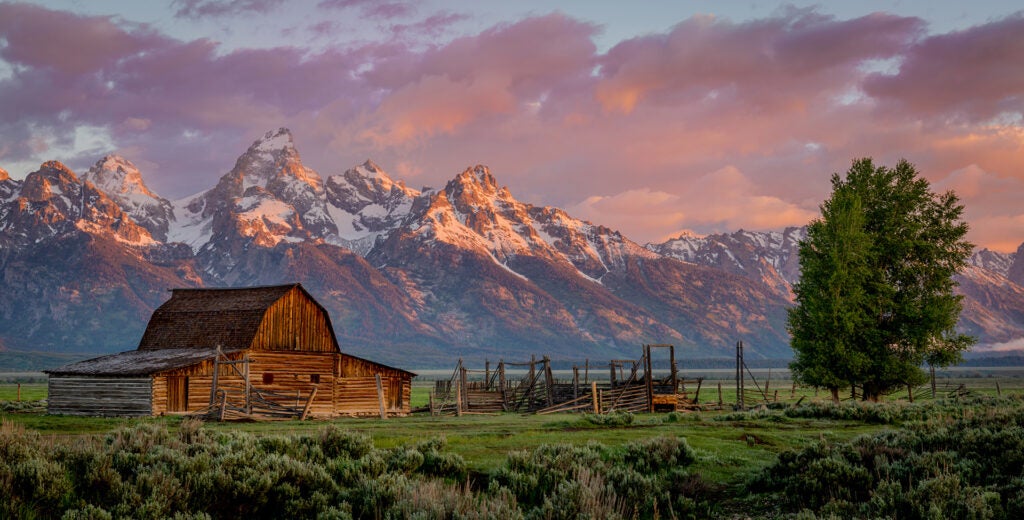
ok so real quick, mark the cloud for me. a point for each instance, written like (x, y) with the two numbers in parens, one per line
(61, 43)
(766, 63)
(992, 206)
(720, 201)
(712, 125)
(965, 75)
(636, 211)
(373, 8)
(196, 9)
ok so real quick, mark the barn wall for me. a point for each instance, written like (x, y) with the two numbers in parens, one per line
(295, 322)
(360, 381)
(200, 379)
(107, 396)
(292, 376)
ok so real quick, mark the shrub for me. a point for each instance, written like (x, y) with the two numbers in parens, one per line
(970, 468)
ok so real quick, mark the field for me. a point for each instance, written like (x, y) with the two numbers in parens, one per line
(781, 459)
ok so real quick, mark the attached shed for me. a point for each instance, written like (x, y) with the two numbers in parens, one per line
(270, 348)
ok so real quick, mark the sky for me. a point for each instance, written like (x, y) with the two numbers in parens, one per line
(652, 118)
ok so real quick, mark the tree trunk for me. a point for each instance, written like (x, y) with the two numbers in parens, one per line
(835, 394)
(871, 393)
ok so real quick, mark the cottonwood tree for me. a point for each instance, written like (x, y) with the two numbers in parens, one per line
(875, 299)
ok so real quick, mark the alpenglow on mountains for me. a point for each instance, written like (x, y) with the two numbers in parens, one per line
(414, 278)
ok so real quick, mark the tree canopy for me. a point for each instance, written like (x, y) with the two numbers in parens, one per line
(875, 299)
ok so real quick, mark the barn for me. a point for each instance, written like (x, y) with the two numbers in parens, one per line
(266, 351)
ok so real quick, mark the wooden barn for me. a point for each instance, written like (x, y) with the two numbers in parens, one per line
(259, 351)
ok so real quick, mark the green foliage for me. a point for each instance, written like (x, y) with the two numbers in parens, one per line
(966, 468)
(875, 299)
(594, 481)
(609, 419)
(145, 470)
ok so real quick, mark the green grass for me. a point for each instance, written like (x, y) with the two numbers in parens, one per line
(29, 391)
(729, 451)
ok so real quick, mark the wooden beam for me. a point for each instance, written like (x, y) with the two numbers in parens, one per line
(312, 395)
(380, 398)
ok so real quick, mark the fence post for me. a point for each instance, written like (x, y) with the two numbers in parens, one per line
(19, 391)
(458, 400)
(596, 396)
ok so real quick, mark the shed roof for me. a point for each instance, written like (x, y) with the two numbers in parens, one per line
(207, 318)
(136, 363)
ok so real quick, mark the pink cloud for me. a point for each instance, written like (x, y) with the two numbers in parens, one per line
(969, 74)
(780, 61)
(712, 125)
(64, 43)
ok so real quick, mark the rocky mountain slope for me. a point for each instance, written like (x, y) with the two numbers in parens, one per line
(993, 304)
(414, 278)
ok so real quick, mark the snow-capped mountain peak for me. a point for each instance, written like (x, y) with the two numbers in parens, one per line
(274, 141)
(4, 175)
(117, 176)
(120, 180)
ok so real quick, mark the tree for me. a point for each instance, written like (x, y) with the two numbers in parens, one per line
(875, 299)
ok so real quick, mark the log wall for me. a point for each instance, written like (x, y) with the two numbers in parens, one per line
(358, 396)
(293, 378)
(397, 384)
(105, 396)
(292, 374)
(295, 322)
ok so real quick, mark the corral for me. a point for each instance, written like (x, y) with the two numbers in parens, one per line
(255, 352)
(634, 385)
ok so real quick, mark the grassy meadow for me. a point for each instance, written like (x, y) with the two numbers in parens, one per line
(959, 455)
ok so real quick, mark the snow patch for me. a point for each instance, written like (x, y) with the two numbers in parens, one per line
(190, 228)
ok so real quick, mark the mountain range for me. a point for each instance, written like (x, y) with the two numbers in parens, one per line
(411, 277)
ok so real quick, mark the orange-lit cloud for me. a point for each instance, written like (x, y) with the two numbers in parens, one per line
(711, 125)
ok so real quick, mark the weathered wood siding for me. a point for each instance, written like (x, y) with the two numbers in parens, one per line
(200, 379)
(295, 322)
(358, 396)
(293, 376)
(106, 396)
(351, 395)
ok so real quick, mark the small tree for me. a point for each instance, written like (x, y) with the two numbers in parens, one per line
(875, 299)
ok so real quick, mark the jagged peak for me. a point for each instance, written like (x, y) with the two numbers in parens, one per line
(56, 166)
(273, 157)
(370, 170)
(478, 174)
(117, 175)
(688, 234)
(273, 141)
(4, 175)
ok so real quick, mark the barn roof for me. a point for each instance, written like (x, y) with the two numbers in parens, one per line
(136, 363)
(207, 318)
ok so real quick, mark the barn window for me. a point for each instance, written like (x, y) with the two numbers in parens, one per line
(268, 378)
(314, 378)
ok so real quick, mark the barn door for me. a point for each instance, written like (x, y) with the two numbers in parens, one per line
(177, 394)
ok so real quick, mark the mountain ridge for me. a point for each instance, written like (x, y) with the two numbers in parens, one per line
(412, 277)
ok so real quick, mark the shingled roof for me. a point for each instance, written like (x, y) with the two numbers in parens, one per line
(208, 318)
(136, 363)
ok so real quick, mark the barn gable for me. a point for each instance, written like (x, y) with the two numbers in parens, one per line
(281, 317)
